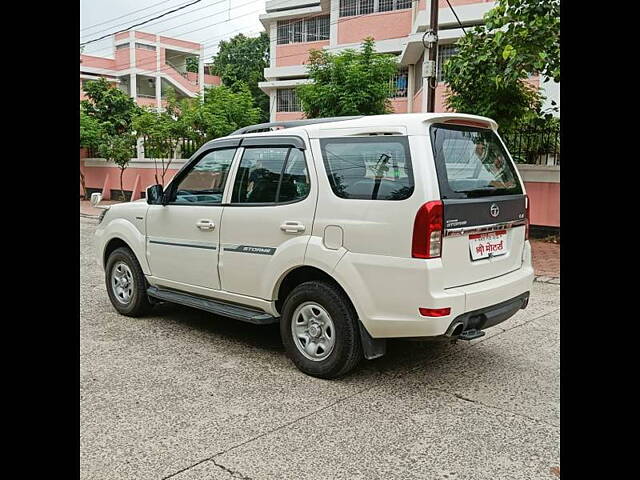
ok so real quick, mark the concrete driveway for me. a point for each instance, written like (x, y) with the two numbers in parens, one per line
(183, 394)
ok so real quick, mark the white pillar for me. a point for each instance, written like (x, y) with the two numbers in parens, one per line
(334, 14)
(158, 77)
(273, 43)
(133, 81)
(272, 104)
(410, 87)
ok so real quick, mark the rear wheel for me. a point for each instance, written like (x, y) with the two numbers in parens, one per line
(126, 285)
(319, 329)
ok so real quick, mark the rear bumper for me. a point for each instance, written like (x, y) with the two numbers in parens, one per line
(489, 316)
(388, 294)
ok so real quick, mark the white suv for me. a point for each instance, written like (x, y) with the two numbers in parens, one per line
(345, 231)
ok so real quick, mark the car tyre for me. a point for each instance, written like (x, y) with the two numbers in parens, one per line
(319, 329)
(126, 283)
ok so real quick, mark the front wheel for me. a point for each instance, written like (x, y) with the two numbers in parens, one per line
(319, 329)
(126, 285)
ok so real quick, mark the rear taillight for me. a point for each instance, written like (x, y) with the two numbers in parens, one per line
(527, 205)
(428, 230)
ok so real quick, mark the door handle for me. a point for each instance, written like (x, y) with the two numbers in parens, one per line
(205, 224)
(292, 227)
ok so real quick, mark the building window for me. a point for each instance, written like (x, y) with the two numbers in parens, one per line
(122, 46)
(288, 101)
(399, 83)
(444, 53)
(349, 8)
(303, 30)
(145, 46)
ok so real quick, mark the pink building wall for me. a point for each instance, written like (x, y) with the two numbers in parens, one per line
(399, 105)
(286, 116)
(145, 59)
(545, 203)
(296, 53)
(108, 178)
(380, 26)
(97, 62)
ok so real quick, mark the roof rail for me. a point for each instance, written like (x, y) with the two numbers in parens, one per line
(266, 127)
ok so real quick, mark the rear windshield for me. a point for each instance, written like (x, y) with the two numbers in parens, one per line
(471, 162)
(369, 168)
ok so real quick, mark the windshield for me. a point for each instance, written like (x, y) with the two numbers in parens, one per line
(471, 162)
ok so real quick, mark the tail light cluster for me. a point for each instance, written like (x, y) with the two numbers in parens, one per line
(428, 230)
(527, 205)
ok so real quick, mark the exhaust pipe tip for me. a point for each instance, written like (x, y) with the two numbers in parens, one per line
(455, 329)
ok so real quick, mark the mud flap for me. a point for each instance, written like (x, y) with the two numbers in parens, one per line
(371, 347)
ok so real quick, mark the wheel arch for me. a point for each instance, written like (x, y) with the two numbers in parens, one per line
(298, 275)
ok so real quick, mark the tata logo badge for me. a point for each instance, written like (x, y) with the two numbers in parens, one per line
(494, 210)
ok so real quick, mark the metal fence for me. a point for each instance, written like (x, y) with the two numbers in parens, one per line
(185, 148)
(533, 144)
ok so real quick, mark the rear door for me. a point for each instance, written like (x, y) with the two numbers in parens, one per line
(484, 204)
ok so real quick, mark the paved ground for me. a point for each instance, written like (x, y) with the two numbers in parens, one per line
(546, 260)
(186, 395)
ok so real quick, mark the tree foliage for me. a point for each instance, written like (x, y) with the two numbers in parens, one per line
(90, 130)
(105, 123)
(351, 82)
(192, 64)
(113, 108)
(488, 74)
(118, 149)
(242, 60)
(222, 111)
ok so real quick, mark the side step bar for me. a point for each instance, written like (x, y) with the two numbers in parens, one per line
(236, 312)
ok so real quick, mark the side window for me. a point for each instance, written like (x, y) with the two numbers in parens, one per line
(204, 184)
(369, 168)
(270, 175)
(295, 179)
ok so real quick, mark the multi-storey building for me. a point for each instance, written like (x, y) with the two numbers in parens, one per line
(296, 26)
(145, 65)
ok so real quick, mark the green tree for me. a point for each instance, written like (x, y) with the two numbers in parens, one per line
(90, 134)
(242, 60)
(222, 111)
(118, 148)
(488, 74)
(192, 64)
(113, 108)
(348, 83)
(162, 132)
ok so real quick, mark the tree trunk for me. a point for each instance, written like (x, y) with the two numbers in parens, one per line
(84, 188)
(124, 198)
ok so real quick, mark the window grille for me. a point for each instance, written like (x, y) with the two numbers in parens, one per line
(303, 30)
(399, 83)
(444, 53)
(363, 7)
(288, 101)
(121, 46)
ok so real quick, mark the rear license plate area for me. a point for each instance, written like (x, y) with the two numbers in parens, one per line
(487, 245)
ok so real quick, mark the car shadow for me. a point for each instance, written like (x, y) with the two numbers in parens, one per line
(401, 353)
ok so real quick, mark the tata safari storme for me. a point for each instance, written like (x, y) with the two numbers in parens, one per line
(346, 231)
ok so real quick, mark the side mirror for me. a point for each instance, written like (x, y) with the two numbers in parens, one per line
(154, 195)
(95, 198)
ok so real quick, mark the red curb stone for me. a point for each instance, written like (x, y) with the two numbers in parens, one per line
(546, 258)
